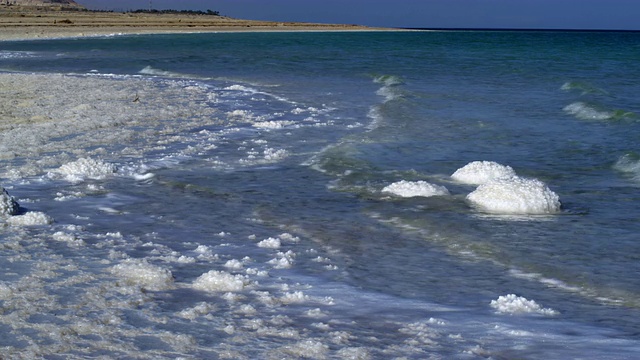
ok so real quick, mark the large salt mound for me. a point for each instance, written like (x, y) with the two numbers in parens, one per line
(415, 188)
(512, 304)
(86, 168)
(143, 274)
(8, 205)
(480, 172)
(515, 195)
(219, 281)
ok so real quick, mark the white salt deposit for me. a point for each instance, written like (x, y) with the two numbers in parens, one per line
(8, 205)
(308, 349)
(220, 281)
(415, 188)
(32, 218)
(271, 154)
(512, 304)
(480, 172)
(270, 243)
(273, 124)
(84, 168)
(141, 273)
(515, 195)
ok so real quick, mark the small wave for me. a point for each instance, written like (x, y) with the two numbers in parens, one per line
(629, 164)
(583, 87)
(585, 111)
(5, 54)
(388, 80)
(149, 70)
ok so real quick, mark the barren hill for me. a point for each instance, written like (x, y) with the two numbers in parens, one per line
(68, 4)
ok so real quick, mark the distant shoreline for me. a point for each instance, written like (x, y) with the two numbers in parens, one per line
(18, 23)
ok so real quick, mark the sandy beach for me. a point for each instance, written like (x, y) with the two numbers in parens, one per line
(21, 23)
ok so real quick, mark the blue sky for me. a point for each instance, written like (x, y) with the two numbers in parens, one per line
(555, 14)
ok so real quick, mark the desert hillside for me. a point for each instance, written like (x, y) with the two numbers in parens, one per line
(67, 4)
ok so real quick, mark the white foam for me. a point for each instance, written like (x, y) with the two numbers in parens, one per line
(586, 112)
(86, 168)
(8, 205)
(220, 281)
(141, 273)
(148, 70)
(512, 304)
(515, 195)
(415, 188)
(480, 172)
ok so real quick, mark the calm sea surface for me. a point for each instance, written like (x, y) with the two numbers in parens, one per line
(348, 195)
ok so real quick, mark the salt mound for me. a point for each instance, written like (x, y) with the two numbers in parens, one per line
(32, 218)
(219, 281)
(143, 274)
(8, 205)
(415, 188)
(515, 195)
(86, 168)
(480, 172)
(512, 304)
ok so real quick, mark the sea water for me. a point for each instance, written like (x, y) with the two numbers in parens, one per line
(337, 195)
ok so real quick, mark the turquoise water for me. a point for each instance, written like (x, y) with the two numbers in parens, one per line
(226, 196)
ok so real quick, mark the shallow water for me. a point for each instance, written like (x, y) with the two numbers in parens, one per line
(287, 195)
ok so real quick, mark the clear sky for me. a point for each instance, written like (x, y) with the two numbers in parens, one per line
(554, 14)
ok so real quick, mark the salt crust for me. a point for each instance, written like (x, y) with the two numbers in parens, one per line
(512, 304)
(415, 188)
(308, 349)
(8, 205)
(515, 195)
(220, 281)
(480, 172)
(141, 273)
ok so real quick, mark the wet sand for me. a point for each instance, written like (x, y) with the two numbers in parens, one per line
(18, 23)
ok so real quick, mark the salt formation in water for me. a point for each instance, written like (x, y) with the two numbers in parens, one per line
(141, 273)
(31, 218)
(512, 304)
(220, 281)
(85, 168)
(415, 188)
(515, 195)
(480, 172)
(8, 205)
